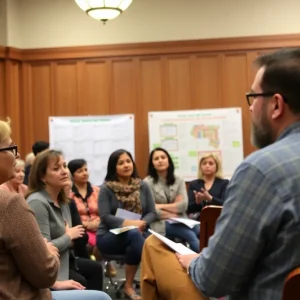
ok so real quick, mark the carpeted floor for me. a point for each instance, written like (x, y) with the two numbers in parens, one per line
(111, 291)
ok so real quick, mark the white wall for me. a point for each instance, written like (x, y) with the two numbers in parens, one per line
(54, 23)
(3, 23)
(14, 22)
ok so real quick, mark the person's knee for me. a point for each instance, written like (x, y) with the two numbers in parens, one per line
(80, 295)
(134, 234)
(152, 241)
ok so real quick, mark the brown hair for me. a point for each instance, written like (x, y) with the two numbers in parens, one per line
(38, 171)
(219, 173)
(282, 75)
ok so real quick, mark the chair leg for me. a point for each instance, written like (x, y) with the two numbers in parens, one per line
(106, 270)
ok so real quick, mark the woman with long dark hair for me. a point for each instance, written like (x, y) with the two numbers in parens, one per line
(170, 195)
(124, 189)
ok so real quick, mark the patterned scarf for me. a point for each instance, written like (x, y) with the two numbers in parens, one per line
(128, 195)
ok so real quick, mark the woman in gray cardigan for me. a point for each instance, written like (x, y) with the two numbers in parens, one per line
(124, 189)
(170, 195)
(46, 197)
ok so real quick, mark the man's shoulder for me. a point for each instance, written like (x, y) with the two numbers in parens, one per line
(274, 159)
(266, 154)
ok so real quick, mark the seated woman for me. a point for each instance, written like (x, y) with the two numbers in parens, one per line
(16, 185)
(79, 247)
(29, 265)
(209, 188)
(46, 197)
(169, 192)
(85, 196)
(124, 189)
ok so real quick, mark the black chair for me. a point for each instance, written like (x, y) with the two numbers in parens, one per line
(117, 284)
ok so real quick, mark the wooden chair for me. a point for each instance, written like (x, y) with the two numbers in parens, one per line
(208, 218)
(291, 288)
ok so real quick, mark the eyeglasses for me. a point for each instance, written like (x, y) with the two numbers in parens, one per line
(251, 96)
(13, 149)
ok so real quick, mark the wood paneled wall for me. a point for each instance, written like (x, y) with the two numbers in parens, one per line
(35, 84)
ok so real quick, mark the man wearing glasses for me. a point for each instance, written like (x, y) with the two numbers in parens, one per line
(257, 237)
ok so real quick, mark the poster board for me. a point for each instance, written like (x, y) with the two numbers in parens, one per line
(92, 138)
(188, 135)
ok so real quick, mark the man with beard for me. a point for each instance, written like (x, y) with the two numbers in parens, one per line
(257, 237)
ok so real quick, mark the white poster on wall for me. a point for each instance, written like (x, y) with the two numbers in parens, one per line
(92, 138)
(188, 135)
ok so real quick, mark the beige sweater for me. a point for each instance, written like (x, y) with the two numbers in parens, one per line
(27, 269)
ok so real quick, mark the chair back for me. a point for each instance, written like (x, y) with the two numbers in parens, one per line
(291, 288)
(208, 218)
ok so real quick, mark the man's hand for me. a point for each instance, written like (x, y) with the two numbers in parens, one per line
(185, 260)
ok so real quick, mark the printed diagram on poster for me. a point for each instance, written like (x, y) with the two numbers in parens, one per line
(189, 135)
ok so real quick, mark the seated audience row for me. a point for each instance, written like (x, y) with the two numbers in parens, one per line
(161, 196)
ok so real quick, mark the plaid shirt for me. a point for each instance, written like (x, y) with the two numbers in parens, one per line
(257, 237)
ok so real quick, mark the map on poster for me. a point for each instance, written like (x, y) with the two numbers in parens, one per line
(188, 135)
(92, 138)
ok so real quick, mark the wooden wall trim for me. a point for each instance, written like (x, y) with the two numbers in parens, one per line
(157, 48)
(14, 53)
(2, 52)
(11, 53)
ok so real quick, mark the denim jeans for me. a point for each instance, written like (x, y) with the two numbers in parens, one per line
(79, 295)
(185, 233)
(129, 243)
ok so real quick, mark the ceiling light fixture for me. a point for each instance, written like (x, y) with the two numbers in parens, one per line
(103, 10)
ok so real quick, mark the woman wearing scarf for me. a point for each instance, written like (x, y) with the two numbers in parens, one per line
(124, 189)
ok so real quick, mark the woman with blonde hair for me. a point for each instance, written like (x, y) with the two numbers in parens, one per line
(210, 187)
(15, 185)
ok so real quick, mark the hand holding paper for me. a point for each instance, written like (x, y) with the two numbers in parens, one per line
(188, 222)
(185, 260)
(118, 231)
(177, 247)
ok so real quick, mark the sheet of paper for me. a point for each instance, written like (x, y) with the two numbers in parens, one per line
(117, 231)
(177, 247)
(128, 215)
(188, 222)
